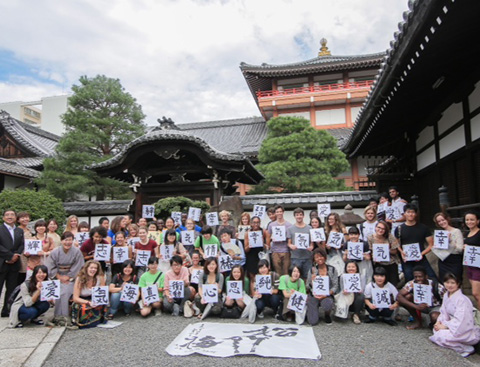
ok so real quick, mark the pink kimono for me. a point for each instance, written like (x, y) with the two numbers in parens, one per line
(457, 314)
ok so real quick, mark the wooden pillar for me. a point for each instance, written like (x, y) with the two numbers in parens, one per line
(355, 176)
(138, 204)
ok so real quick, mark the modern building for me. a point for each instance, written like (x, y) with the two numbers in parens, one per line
(326, 90)
(423, 111)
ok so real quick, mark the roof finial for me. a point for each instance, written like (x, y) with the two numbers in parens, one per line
(324, 49)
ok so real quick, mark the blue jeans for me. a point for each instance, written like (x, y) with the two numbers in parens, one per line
(29, 313)
(409, 265)
(268, 300)
(116, 304)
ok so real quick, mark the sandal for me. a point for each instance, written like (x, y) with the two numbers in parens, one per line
(37, 322)
(109, 316)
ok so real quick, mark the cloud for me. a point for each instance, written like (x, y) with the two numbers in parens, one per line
(180, 58)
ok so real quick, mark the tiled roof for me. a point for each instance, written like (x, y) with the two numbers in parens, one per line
(28, 162)
(33, 139)
(244, 135)
(340, 135)
(336, 199)
(12, 169)
(317, 64)
(97, 206)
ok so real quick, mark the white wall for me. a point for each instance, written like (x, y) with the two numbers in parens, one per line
(330, 117)
(52, 110)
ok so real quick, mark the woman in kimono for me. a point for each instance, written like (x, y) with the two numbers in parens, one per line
(455, 328)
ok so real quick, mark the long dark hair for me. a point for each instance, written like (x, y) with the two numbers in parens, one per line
(32, 284)
(165, 237)
(207, 262)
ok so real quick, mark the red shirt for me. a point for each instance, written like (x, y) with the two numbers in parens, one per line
(150, 246)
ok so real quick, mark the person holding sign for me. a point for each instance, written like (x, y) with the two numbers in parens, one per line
(194, 272)
(326, 302)
(119, 223)
(265, 289)
(125, 276)
(358, 251)
(174, 300)
(412, 232)
(278, 242)
(47, 246)
(191, 227)
(380, 298)
(152, 277)
(472, 222)
(385, 256)
(367, 228)
(455, 327)
(232, 247)
(225, 217)
(84, 312)
(120, 253)
(255, 240)
(352, 301)
(316, 223)
(301, 247)
(207, 238)
(178, 249)
(28, 305)
(289, 284)
(211, 275)
(238, 287)
(406, 298)
(243, 227)
(97, 236)
(450, 260)
(145, 244)
(337, 235)
(170, 224)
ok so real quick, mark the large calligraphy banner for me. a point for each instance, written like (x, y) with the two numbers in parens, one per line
(229, 340)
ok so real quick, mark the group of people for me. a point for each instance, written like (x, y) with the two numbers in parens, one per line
(298, 271)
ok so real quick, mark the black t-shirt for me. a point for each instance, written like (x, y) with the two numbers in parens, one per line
(413, 234)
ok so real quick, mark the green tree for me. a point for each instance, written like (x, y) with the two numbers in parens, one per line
(103, 119)
(165, 207)
(295, 157)
(39, 204)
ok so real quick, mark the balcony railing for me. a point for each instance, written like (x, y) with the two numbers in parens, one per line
(326, 88)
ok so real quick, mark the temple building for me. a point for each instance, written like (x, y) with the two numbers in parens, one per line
(326, 90)
(423, 112)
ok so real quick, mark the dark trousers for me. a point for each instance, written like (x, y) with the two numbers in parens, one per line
(268, 300)
(8, 276)
(29, 313)
(409, 265)
(386, 313)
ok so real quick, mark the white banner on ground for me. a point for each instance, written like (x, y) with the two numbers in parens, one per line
(228, 340)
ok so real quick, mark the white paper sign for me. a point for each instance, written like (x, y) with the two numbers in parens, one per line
(321, 286)
(302, 241)
(259, 211)
(195, 276)
(234, 289)
(142, 257)
(132, 241)
(381, 252)
(440, 239)
(150, 294)
(335, 240)
(263, 284)
(120, 254)
(167, 252)
(297, 302)
(33, 247)
(81, 237)
(422, 293)
(130, 293)
(188, 237)
(177, 218)
(148, 211)
(210, 293)
(255, 239)
(210, 250)
(355, 251)
(102, 252)
(323, 210)
(194, 213)
(351, 283)
(50, 290)
(318, 235)
(212, 219)
(279, 234)
(225, 263)
(471, 256)
(412, 252)
(100, 295)
(381, 297)
(177, 288)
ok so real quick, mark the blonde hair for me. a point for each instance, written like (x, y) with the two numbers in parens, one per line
(83, 276)
(68, 227)
(370, 208)
(338, 226)
(227, 213)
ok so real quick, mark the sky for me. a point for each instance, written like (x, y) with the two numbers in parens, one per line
(178, 58)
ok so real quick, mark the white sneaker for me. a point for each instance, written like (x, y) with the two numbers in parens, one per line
(260, 315)
(196, 309)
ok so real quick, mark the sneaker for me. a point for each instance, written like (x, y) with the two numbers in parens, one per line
(109, 316)
(19, 326)
(356, 319)
(279, 317)
(187, 309)
(390, 322)
(328, 319)
(157, 312)
(369, 320)
(176, 309)
(260, 315)
(465, 354)
(37, 322)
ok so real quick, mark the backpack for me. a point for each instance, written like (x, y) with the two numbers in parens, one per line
(13, 297)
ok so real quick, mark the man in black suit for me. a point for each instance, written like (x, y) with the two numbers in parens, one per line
(11, 246)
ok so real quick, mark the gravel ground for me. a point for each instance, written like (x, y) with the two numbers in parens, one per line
(143, 342)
